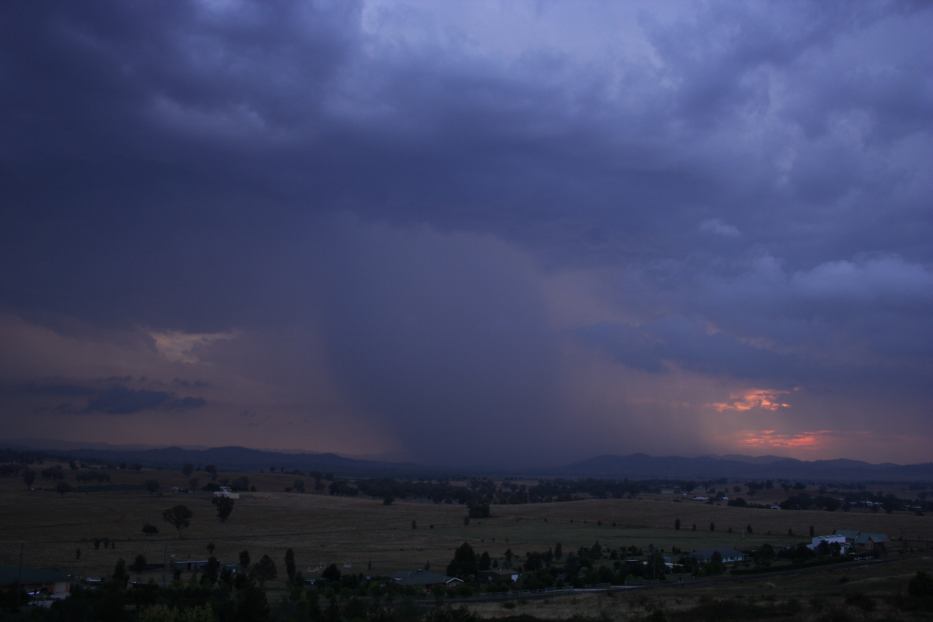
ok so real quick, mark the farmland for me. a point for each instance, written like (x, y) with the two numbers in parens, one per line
(354, 531)
(85, 531)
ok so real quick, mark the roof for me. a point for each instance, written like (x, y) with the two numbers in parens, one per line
(11, 575)
(727, 552)
(862, 537)
(421, 577)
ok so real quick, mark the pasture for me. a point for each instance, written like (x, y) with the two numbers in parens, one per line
(362, 535)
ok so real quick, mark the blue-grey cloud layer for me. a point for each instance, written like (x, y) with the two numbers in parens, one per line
(751, 188)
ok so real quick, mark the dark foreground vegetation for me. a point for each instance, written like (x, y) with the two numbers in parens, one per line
(243, 599)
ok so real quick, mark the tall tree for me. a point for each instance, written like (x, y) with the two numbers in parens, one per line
(178, 517)
(224, 507)
(331, 573)
(120, 576)
(29, 476)
(187, 469)
(264, 570)
(464, 563)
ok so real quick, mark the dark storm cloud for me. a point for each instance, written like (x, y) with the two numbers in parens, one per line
(125, 401)
(107, 397)
(52, 390)
(748, 183)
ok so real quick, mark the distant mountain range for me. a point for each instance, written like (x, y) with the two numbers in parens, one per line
(634, 466)
(225, 458)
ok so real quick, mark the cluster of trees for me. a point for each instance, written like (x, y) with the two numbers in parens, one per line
(179, 516)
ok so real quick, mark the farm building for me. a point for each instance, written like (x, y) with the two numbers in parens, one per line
(226, 491)
(831, 539)
(45, 581)
(424, 578)
(190, 564)
(729, 555)
(862, 538)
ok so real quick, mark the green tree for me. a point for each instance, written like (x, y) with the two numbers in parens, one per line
(677, 524)
(139, 564)
(244, 559)
(252, 604)
(29, 476)
(164, 613)
(298, 485)
(62, 487)
(212, 471)
(464, 563)
(187, 469)
(224, 507)
(212, 572)
(715, 565)
(331, 573)
(485, 562)
(178, 516)
(152, 486)
(120, 576)
(264, 570)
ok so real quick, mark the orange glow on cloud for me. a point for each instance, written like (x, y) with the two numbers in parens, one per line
(753, 399)
(774, 439)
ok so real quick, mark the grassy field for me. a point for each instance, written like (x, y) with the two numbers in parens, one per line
(354, 532)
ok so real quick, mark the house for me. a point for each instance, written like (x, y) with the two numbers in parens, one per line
(865, 541)
(226, 491)
(728, 555)
(190, 564)
(835, 538)
(498, 576)
(37, 582)
(862, 538)
(425, 579)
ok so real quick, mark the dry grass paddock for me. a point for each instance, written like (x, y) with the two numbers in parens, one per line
(354, 532)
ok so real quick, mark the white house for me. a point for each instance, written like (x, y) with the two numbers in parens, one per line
(839, 539)
(226, 491)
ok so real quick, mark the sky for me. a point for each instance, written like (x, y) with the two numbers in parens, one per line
(469, 232)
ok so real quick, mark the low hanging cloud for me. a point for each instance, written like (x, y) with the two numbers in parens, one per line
(772, 439)
(103, 397)
(125, 401)
(754, 399)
